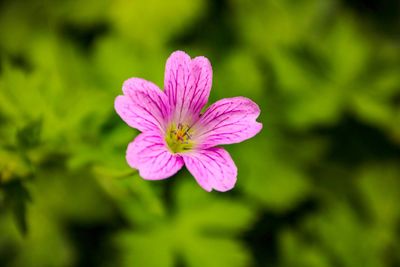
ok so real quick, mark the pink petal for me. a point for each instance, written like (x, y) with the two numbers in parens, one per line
(212, 168)
(143, 106)
(227, 121)
(149, 154)
(187, 84)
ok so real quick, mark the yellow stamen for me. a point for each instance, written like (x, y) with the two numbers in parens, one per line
(178, 138)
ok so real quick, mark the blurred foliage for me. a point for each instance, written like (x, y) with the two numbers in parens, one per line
(319, 186)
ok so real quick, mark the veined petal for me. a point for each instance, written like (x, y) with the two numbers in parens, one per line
(143, 106)
(212, 168)
(227, 121)
(149, 154)
(187, 85)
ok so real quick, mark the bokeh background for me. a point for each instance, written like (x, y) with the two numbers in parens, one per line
(318, 187)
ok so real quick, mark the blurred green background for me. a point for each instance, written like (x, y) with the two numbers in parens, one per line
(318, 187)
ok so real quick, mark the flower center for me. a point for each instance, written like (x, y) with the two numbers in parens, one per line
(179, 138)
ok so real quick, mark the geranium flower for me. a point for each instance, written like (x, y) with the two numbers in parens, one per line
(175, 133)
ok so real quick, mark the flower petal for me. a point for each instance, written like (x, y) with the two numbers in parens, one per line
(227, 121)
(143, 106)
(149, 154)
(212, 168)
(187, 85)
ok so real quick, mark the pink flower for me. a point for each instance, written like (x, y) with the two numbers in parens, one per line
(175, 133)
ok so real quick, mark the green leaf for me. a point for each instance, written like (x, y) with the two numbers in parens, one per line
(29, 135)
(202, 231)
(16, 198)
(230, 81)
(346, 236)
(273, 180)
(152, 249)
(379, 185)
(155, 33)
(13, 166)
(297, 252)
